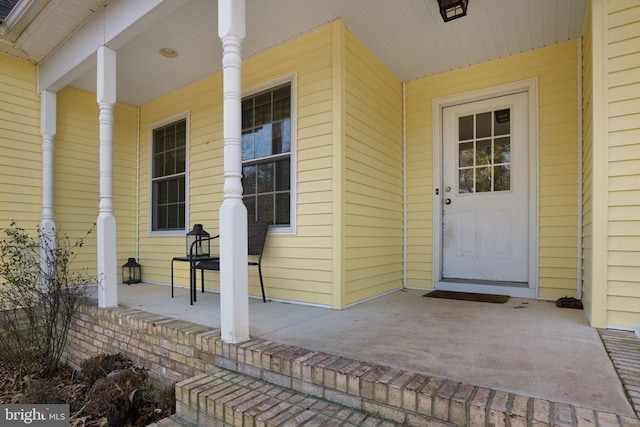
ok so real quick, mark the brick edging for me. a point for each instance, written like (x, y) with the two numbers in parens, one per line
(623, 348)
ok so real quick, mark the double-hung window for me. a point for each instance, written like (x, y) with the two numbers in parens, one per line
(168, 177)
(266, 155)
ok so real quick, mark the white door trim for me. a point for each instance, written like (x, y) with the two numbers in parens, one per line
(438, 104)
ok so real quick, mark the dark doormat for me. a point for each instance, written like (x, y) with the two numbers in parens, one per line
(468, 296)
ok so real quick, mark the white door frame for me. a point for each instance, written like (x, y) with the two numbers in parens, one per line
(529, 86)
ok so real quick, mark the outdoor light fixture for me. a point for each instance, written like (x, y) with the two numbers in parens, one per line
(131, 272)
(452, 9)
(198, 242)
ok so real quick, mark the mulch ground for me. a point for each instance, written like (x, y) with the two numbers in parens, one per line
(104, 384)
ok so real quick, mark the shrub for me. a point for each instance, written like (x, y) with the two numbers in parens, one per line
(39, 295)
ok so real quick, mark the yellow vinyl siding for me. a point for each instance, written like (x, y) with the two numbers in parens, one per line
(373, 176)
(20, 146)
(77, 172)
(295, 267)
(623, 154)
(202, 101)
(587, 167)
(299, 267)
(419, 170)
(555, 67)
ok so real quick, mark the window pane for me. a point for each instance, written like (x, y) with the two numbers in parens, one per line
(162, 217)
(265, 208)
(250, 203)
(247, 113)
(181, 215)
(173, 190)
(502, 150)
(483, 152)
(249, 180)
(502, 124)
(466, 154)
(282, 209)
(502, 178)
(172, 216)
(465, 184)
(283, 173)
(247, 145)
(262, 111)
(282, 103)
(170, 163)
(465, 128)
(158, 141)
(265, 178)
(181, 131)
(483, 180)
(181, 163)
(160, 192)
(263, 142)
(182, 197)
(169, 138)
(483, 125)
(282, 137)
(158, 165)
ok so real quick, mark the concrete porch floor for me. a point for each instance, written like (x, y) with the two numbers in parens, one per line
(527, 347)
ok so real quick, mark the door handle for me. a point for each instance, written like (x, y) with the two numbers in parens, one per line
(447, 201)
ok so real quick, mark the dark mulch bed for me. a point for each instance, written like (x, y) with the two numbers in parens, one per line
(109, 390)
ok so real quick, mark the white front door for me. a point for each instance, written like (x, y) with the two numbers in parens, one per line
(485, 195)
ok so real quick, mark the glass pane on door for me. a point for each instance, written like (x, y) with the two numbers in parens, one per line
(484, 152)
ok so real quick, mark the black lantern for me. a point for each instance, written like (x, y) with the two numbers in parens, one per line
(131, 272)
(198, 242)
(452, 9)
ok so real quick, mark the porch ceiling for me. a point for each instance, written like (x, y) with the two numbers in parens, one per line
(408, 36)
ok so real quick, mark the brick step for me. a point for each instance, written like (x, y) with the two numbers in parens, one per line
(242, 400)
(402, 397)
(178, 350)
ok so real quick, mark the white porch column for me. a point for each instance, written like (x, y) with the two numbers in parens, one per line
(47, 224)
(106, 223)
(234, 275)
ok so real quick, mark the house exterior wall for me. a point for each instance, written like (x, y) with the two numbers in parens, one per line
(76, 162)
(77, 174)
(555, 67)
(611, 160)
(623, 157)
(348, 240)
(20, 146)
(372, 180)
(587, 168)
(295, 267)
(203, 103)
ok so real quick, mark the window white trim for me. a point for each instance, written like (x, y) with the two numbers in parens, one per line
(181, 232)
(292, 80)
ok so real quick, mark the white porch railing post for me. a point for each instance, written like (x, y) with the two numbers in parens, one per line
(47, 224)
(234, 276)
(106, 223)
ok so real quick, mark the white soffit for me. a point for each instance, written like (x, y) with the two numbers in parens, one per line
(408, 36)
